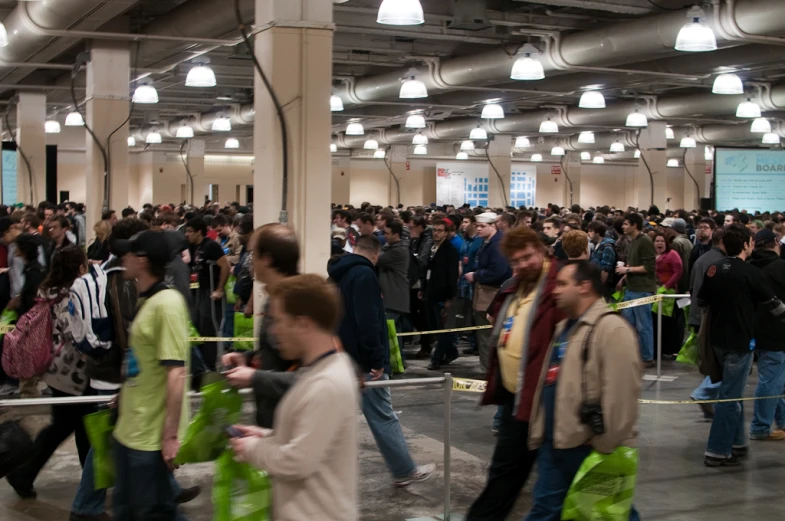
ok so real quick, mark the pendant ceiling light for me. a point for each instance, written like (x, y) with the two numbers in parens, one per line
(412, 88)
(355, 129)
(52, 127)
(419, 139)
(637, 119)
(617, 147)
(586, 137)
(672, 163)
(379, 154)
(708, 153)
(592, 99)
(598, 160)
(200, 76)
(528, 67)
(415, 121)
(74, 119)
(400, 12)
(536, 158)
(557, 151)
(333, 147)
(420, 150)
(222, 124)
(3, 36)
(371, 144)
(727, 84)
(760, 126)
(145, 94)
(185, 131)
(637, 154)
(549, 127)
(669, 133)
(771, 139)
(467, 145)
(232, 142)
(585, 156)
(748, 109)
(522, 142)
(153, 137)
(131, 141)
(695, 35)
(688, 142)
(478, 133)
(492, 111)
(462, 156)
(336, 103)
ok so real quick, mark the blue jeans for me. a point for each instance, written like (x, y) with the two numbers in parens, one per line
(445, 342)
(771, 382)
(557, 469)
(386, 430)
(727, 428)
(706, 390)
(497, 418)
(640, 318)
(143, 487)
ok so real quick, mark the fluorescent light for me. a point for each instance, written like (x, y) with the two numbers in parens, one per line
(74, 119)
(3, 36)
(598, 160)
(760, 126)
(687, 142)
(52, 127)
(527, 67)
(412, 88)
(727, 84)
(420, 150)
(131, 141)
(708, 153)
(637, 119)
(222, 124)
(467, 145)
(336, 103)
(185, 132)
(617, 147)
(200, 76)
(379, 154)
(420, 139)
(672, 163)
(748, 109)
(232, 143)
(478, 133)
(669, 133)
(536, 158)
(557, 151)
(585, 156)
(415, 121)
(371, 144)
(586, 137)
(637, 154)
(492, 111)
(145, 94)
(153, 137)
(592, 99)
(549, 127)
(771, 139)
(400, 12)
(462, 156)
(695, 36)
(355, 129)
(522, 142)
(333, 147)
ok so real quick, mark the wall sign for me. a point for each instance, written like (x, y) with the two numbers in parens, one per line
(555, 170)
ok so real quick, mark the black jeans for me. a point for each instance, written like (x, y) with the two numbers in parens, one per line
(205, 311)
(511, 464)
(66, 420)
(419, 318)
(445, 342)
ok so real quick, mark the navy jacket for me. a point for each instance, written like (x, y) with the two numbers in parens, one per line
(363, 328)
(492, 267)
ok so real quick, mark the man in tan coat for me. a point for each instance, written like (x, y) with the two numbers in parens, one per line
(587, 394)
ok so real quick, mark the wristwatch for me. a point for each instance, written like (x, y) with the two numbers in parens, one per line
(628, 269)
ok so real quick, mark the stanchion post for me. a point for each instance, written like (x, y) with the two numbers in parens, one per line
(659, 338)
(447, 442)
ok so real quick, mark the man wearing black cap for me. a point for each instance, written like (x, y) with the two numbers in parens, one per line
(153, 406)
(770, 343)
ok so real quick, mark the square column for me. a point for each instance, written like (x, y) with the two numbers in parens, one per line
(107, 106)
(30, 118)
(499, 149)
(693, 186)
(296, 56)
(195, 160)
(653, 145)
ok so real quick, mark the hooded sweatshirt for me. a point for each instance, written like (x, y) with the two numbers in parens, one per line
(769, 333)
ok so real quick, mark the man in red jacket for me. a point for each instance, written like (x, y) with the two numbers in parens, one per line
(525, 316)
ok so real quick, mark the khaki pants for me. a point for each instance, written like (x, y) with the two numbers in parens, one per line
(29, 388)
(483, 339)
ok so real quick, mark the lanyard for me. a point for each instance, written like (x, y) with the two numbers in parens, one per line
(325, 355)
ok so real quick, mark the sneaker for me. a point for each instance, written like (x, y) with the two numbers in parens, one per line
(422, 354)
(8, 390)
(740, 452)
(449, 360)
(773, 436)
(187, 495)
(649, 364)
(434, 366)
(420, 474)
(495, 430)
(80, 517)
(731, 461)
(22, 490)
(706, 408)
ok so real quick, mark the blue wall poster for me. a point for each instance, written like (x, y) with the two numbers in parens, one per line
(9, 177)
(523, 185)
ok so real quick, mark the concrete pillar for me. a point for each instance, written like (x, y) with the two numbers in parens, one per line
(107, 106)
(195, 194)
(30, 118)
(499, 149)
(572, 170)
(657, 161)
(297, 59)
(694, 181)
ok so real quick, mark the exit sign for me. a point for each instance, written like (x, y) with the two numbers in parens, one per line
(556, 170)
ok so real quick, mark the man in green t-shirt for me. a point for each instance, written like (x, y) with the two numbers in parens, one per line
(153, 406)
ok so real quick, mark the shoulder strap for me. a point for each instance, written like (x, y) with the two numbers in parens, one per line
(585, 352)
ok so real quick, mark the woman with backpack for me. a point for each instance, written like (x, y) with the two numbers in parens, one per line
(66, 375)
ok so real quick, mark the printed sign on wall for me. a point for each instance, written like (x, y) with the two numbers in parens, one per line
(459, 183)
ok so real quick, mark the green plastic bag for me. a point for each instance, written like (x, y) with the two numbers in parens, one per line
(667, 303)
(205, 438)
(616, 299)
(240, 492)
(243, 327)
(689, 351)
(192, 331)
(99, 427)
(231, 297)
(604, 487)
(396, 361)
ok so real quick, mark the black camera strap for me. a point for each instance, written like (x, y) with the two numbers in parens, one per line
(585, 356)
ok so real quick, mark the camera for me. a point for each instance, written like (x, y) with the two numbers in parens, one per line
(591, 415)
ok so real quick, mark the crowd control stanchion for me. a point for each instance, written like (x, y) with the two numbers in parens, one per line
(447, 442)
(218, 325)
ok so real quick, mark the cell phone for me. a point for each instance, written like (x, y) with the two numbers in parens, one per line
(233, 432)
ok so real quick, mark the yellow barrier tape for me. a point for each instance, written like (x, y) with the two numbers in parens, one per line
(637, 302)
(199, 339)
(439, 331)
(194, 285)
(6, 329)
(469, 386)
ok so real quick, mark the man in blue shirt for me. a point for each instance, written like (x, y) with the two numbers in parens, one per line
(604, 254)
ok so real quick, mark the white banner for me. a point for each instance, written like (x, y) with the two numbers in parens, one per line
(461, 182)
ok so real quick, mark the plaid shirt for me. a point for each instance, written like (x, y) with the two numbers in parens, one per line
(605, 256)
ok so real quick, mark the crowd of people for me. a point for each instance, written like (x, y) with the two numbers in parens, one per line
(563, 371)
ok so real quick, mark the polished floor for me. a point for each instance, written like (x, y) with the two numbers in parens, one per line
(673, 483)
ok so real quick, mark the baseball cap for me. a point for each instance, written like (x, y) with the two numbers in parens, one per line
(680, 225)
(764, 237)
(339, 233)
(667, 222)
(151, 244)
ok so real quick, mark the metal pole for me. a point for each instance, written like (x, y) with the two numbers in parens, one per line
(447, 443)
(659, 339)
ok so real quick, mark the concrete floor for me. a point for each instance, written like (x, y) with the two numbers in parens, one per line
(673, 483)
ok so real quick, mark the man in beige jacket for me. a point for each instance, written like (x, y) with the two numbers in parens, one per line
(587, 394)
(311, 452)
